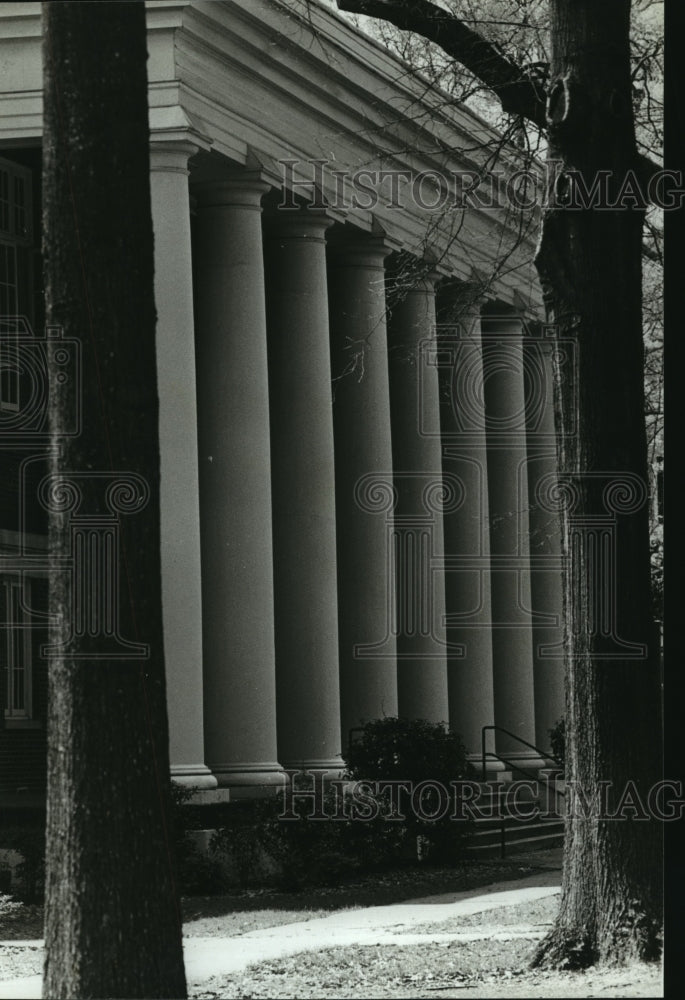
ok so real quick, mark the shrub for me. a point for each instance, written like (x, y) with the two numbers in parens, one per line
(425, 758)
(351, 824)
(299, 843)
(408, 750)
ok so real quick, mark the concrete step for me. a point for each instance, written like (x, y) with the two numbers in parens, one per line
(492, 775)
(485, 822)
(539, 842)
(512, 826)
(503, 802)
(507, 802)
(548, 792)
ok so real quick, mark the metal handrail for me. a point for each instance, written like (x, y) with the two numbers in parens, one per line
(531, 774)
(519, 739)
(491, 753)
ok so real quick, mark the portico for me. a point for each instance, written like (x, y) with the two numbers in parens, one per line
(350, 527)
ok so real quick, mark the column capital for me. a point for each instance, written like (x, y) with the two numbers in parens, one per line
(240, 190)
(414, 268)
(423, 284)
(368, 252)
(305, 224)
(168, 156)
(503, 323)
(460, 303)
(465, 293)
(420, 280)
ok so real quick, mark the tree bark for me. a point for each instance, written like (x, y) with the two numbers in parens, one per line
(112, 924)
(589, 262)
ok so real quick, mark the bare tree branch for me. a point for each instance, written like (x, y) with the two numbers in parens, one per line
(519, 93)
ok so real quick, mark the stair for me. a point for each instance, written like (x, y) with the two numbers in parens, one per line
(512, 817)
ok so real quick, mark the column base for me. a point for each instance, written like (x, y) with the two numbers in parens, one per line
(250, 779)
(495, 770)
(193, 776)
(334, 766)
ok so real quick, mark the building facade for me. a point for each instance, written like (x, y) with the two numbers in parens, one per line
(358, 491)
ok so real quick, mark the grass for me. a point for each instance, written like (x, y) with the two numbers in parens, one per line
(453, 969)
(257, 906)
(235, 924)
(370, 971)
(439, 970)
(538, 912)
(493, 968)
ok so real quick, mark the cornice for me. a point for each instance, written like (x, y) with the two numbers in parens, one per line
(277, 78)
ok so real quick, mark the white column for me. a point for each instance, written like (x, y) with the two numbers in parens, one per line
(467, 529)
(306, 604)
(363, 472)
(422, 496)
(179, 495)
(235, 486)
(507, 390)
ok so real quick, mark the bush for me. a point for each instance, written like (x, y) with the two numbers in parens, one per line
(298, 842)
(425, 758)
(354, 824)
(407, 750)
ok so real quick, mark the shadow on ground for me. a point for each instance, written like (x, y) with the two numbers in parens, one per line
(376, 889)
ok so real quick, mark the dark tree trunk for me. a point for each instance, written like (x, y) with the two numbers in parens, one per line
(589, 261)
(113, 924)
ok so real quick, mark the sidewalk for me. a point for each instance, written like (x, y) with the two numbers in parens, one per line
(391, 924)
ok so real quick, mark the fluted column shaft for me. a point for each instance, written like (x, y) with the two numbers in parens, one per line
(418, 516)
(467, 529)
(303, 477)
(235, 486)
(363, 457)
(507, 390)
(179, 501)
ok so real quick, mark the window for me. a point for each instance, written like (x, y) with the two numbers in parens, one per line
(17, 648)
(15, 274)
